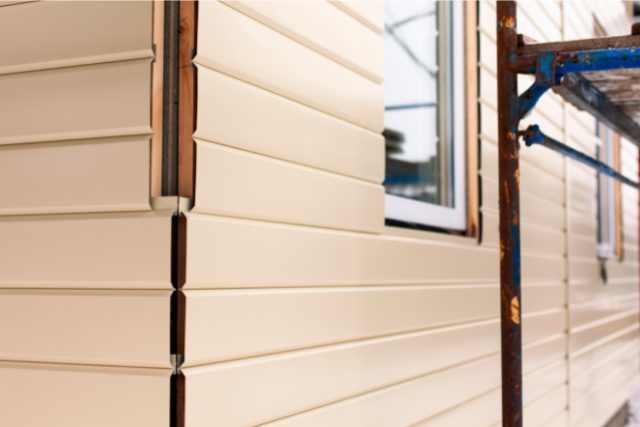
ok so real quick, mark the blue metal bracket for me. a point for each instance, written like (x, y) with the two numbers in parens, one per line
(533, 136)
(546, 68)
(546, 78)
(530, 98)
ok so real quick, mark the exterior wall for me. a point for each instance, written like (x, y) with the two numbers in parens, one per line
(603, 318)
(84, 259)
(302, 308)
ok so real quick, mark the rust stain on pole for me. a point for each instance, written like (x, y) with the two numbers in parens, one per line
(509, 197)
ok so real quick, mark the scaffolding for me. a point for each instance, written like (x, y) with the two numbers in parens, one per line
(583, 73)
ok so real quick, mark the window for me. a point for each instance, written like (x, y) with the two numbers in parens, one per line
(609, 231)
(425, 114)
(608, 191)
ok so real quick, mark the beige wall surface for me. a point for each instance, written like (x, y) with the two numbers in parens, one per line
(84, 261)
(302, 308)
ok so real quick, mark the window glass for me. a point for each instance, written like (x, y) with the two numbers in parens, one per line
(424, 113)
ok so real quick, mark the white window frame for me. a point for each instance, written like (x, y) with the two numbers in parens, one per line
(423, 213)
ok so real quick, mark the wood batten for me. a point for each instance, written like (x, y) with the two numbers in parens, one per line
(471, 115)
(187, 98)
(173, 100)
(157, 83)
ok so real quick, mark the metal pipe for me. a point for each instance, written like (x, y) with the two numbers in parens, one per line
(509, 198)
(582, 61)
(533, 136)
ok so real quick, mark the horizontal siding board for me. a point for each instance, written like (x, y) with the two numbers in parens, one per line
(128, 328)
(89, 251)
(487, 17)
(368, 12)
(222, 323)
(331, 374)
(533, 208)
(533, 179)
(598, 350)
(110, 99)
(37, 395)
(536, 413)
(535, 239)
(271, 60)
(543, 353)
(75, 176)
(237, 114)
(62, 34)
(595, 407)
(226, 252)
(542, 325)
(487, 53)
(484, 410)
(542, 297)
(600, 330)
(237, 183)
(582, 225)
(623, 358)
(583, 202)
(324, 376)
(542, 269)
(408, 402)
(323, 28)
(540, 383)
(595, 292)
(583, 315)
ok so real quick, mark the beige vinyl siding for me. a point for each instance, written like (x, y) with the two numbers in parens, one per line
(91, 327)
(60, 104)
(61, 45)
(253, 119)
(103, 251)
(84, 261)
(319, 317)
(58, 395)
(61, 184)
(350, 44)
(603, 318)
(262, 56)
(321, 198)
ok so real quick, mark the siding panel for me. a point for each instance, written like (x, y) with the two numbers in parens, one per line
(241, 184)
(273, 61)
(234, 113)
(368, 12)
(349, 43)
(57, 34)
(93, 251)
(88, 327)
(90, 101)
(222, 324)
(405, 403)
(37, 395)
(324, 376)
(225, 252)
(76, 176)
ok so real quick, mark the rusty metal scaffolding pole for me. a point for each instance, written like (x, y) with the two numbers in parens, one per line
(509, 199)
